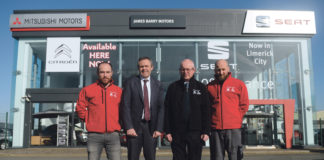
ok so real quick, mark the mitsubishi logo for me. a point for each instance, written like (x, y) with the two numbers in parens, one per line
(218, 50)
(63, 49)
(17, 21)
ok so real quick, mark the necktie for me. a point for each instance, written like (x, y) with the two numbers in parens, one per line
(146, 103)
(186, 102)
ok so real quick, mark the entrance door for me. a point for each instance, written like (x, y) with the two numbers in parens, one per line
(49, 113)
(259, 120)
(264, 125)
(259, 128)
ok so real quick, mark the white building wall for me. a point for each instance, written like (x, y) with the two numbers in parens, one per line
(24, 60)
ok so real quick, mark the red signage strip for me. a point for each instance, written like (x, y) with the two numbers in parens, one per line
(87, 28)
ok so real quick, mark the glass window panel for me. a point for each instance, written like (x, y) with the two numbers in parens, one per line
(40, 79)
(132, 51)
(271, 69)
(172, 53)
(263, 125)
(96, 52)
(209, 52)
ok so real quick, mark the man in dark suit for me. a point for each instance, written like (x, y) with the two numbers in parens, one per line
(142, 111)
(187, 118)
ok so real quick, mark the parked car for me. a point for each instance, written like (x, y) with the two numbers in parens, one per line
(82, 137)
(122, 136)
(5, 143)
(164, 141)
(51, 132)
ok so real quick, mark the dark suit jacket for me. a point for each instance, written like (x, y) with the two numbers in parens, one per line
(132, 104)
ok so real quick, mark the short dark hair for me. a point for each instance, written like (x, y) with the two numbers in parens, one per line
(143, 58)
(103, 63)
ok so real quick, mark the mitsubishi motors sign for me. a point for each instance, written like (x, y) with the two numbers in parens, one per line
(286, 22)
(63, 54)
(54, 21)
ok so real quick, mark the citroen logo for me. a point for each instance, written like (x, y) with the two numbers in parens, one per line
(63, 49)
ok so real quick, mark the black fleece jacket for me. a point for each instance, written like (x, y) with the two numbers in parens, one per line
(199, 119)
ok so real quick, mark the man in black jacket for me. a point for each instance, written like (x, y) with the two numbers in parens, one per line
(187, 114)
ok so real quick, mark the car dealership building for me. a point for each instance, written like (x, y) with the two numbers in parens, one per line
(56, 53)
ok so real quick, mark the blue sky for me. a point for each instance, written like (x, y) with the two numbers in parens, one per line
(7, 42)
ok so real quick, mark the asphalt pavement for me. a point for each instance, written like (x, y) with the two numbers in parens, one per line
(162, 154)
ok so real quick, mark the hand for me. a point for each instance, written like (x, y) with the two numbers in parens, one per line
(204, 137)
(131, 132)
(169, 137)
(156, 134)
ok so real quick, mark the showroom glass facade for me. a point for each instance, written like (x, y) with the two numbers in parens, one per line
(271, 68)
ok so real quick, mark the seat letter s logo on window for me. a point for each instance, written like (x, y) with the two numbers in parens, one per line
(218, 50)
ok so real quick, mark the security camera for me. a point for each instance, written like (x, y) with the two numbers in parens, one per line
(26, 98)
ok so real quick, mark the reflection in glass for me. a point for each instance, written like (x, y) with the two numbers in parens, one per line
(263, 125)
(51, 126)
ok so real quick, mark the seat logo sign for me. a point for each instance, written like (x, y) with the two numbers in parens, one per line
(63, 49)
(262, 21)
(218, 50)
(291, 22)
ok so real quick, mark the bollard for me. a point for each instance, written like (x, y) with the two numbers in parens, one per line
(6, 132)
(321, 132)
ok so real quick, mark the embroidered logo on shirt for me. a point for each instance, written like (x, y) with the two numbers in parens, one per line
(230, 89)
(196, 91)
(113, 94)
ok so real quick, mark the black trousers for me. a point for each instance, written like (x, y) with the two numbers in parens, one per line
(144, 139)
(187, 146)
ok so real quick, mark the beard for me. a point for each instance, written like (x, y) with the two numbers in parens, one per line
(105, 81)
(221, 78)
